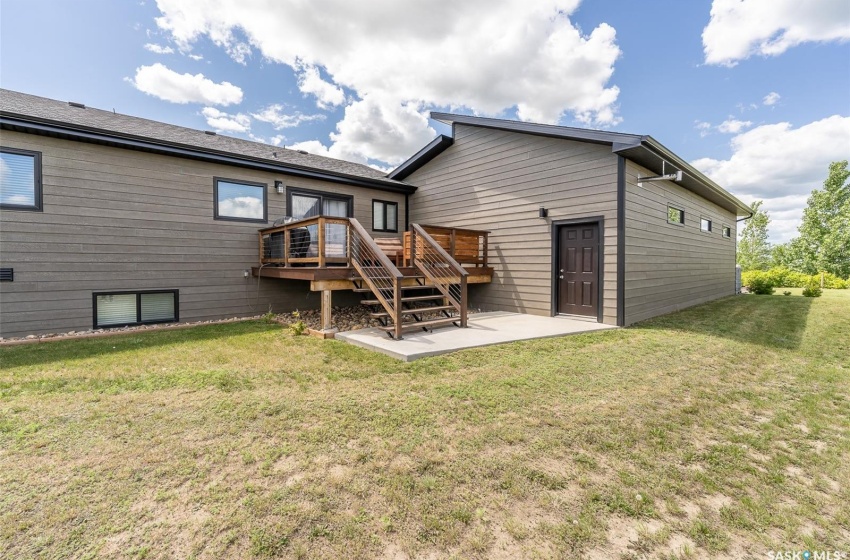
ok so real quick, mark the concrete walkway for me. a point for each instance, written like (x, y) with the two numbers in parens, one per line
(484, 329)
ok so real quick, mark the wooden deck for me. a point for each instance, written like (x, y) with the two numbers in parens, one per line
(319, 250)
(342, 277)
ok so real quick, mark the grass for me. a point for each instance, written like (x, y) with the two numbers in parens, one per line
(719, 431)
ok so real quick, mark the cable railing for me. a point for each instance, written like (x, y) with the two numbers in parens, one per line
(317, 241)
(376, 269)
(440, 269)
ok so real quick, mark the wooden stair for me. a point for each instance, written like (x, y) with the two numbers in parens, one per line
(414, 307)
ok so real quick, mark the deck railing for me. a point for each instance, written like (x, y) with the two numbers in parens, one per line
(466, 246)
(376, 269)
(438, 266)
(317, 241)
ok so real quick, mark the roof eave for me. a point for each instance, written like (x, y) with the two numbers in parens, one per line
(434, 148)
(96, 135)
(692, 174)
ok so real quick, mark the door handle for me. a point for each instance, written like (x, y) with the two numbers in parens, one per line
(561, 276)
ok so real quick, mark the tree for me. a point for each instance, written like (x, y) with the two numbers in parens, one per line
(824, 240)
(753, 249)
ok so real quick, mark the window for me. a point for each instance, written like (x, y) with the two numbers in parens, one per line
(675, 215)
(384, 216)
(20, 179)
(727, 231)
(119, 309)
(240, 201)
(303, 203)
(705, 225)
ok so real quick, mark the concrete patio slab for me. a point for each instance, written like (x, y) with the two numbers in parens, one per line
(484, 329)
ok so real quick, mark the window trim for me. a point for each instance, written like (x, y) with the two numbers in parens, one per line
(710, 225)
(349, 199)
(217, 216)
(681, 214)
(723, 229)
(138, 294)
(385, 204)
(38, 194)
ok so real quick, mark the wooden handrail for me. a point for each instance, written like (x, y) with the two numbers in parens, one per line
(440, 280)
(391, 302)
(436, 246)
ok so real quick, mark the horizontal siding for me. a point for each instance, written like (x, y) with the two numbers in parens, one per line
(667, 266)
(496, 181)
(118, 219)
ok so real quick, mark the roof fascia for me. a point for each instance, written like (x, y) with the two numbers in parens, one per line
(95, 135)
(434, 148)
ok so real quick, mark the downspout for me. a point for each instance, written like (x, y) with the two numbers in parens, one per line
(406, 212)
(621, 241)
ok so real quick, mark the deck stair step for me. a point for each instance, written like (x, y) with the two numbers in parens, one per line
(366, 289)
(415, 310)
(425, 325)
(407, 299)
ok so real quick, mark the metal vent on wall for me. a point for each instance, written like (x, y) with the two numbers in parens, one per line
(7, 274)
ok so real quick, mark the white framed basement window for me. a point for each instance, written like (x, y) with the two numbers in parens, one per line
(122, 309)
(240, 201)
(20, 181)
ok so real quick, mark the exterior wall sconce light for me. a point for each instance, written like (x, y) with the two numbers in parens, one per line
(278, 186)
(543, 212)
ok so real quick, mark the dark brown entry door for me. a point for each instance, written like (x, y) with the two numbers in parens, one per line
(578, 269)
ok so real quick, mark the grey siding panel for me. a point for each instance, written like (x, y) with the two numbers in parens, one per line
(496, 180)
(670, 267)
(117, 219)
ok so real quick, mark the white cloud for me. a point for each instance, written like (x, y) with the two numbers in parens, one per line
(703, 127)
(196, 56)
(275, 115)
(771, 98)
(739, 29)
(159, 49)
(241, 207)
(733, 126)
(224, 122)
(781, 165)
(327, 94)
(166, 84)
(487, 58)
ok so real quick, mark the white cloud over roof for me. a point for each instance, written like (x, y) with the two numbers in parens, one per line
(162, 82)
(483, 56)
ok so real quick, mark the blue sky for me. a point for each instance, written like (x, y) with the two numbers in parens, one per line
(755, 93)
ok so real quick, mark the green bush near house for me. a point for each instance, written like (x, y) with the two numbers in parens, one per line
(781, 276)
(759, 282)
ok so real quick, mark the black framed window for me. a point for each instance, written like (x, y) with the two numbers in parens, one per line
(240, 201)
(705, 225)
(384, 216)
(20, 180)
(675, 215)
(305, 203)
(727, 231)
(121, 309)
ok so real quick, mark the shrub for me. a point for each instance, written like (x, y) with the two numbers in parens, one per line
(832, 281)
(812, 289)
(760, 283)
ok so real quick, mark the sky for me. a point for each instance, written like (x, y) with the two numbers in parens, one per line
(754, 93)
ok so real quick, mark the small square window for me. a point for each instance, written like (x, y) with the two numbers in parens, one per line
(727, 231)
(705, 225)
(20, 179)
(384, 216)
(240, 201)
(675, 215)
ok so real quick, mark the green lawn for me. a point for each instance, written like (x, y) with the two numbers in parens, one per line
(720, 431)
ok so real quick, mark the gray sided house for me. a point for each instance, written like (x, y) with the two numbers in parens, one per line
(108, 220)
(574, 230)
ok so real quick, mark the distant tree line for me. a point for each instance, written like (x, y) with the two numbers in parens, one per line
(823, 240)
